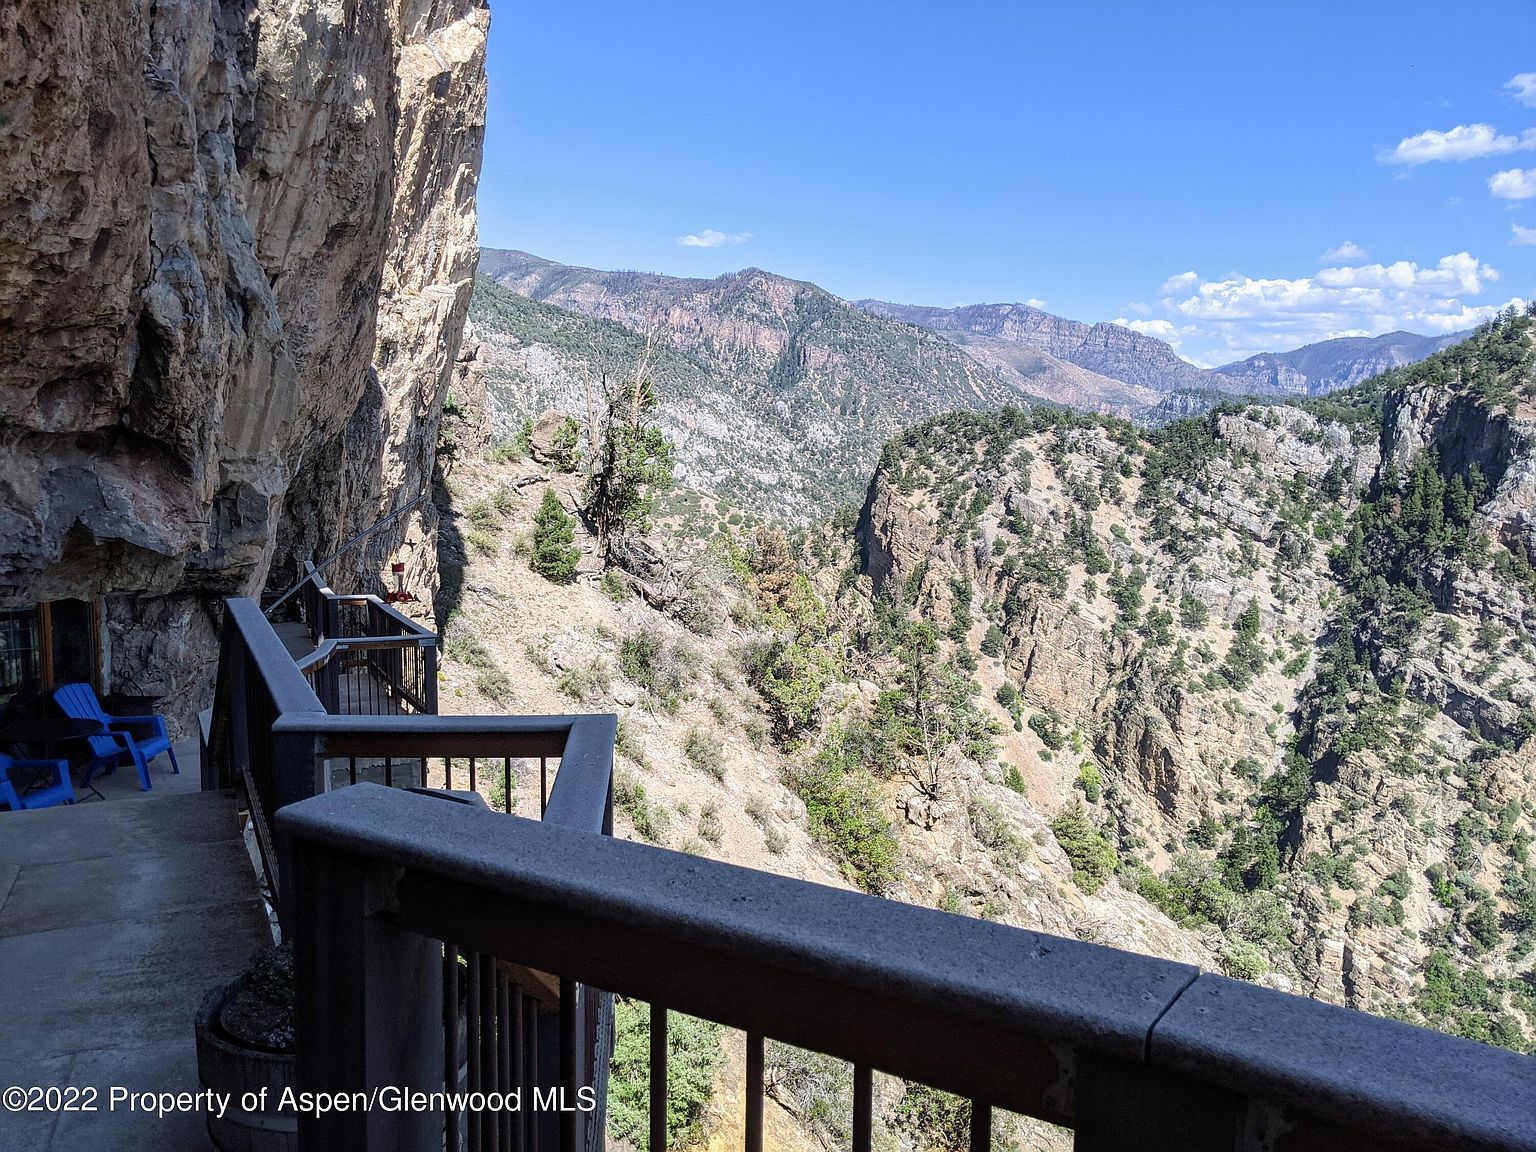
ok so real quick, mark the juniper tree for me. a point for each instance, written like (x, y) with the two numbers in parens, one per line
(554, 554)
(630, 458)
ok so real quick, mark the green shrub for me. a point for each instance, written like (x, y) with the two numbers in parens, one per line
(563, 447)
(1089, 780)
(463, 646)
(844, 812)
(1243, 961)
(650, 820)
(703, 752)
(694, 1058)
(482, 514)
(817, 1089)
(504, 499)
(1245, 658)
(494, 683)
(992, 643)
(482, 542)
(990, 826)
(1192, 611)
(554, 555)
(1047, 726)
(936, 1121)
(1092, 855)
(1013, 779)
(710, 825)
(587, 683)
(627, 744)
(506, 452)
(613, 586)
(663, 670)
(792, 676)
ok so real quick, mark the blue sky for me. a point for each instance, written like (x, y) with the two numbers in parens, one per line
(1232, 177)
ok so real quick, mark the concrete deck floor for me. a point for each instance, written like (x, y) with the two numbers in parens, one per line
(115, 920)
(123, 783)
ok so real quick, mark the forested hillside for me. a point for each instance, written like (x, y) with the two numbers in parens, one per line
(1296, 641)
(1255, 691)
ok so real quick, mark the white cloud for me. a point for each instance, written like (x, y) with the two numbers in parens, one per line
(1348, 250)
(1515, 184)
(1161, 329)
(1219, 321)
(1035, 302)
(1523, 88)
(1464, 142)
(1183, 282)
(1522, 234)
(709, 238)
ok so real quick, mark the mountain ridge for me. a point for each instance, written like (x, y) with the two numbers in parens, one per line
(1341, 362)
(1102, 367)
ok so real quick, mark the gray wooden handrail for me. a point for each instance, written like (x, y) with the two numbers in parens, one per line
(1131, 1051)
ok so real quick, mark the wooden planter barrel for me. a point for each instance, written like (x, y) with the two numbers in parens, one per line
(228, 1067)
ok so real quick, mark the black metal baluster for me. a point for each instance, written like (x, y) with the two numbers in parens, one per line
(981, 1127)
(520, 1070)
(490, 1127)
(754, 1134)
(352, 768)
(472, 785)
(472, 1044)
(569, 1065)
(389, 772)
(451, 1033)
(658, 1078)
(863, 1108)
(506, 795)
(543, 785)
(531, 1071)
(504, 1056)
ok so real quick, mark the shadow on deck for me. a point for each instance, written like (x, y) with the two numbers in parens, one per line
(115, 920)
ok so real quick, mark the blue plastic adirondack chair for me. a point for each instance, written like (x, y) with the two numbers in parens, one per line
(61, 791)
(108, 750)
(145, 736)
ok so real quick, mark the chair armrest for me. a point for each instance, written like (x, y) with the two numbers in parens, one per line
(60, 768)
(154, 723)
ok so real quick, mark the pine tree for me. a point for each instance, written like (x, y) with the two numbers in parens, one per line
(554, 552)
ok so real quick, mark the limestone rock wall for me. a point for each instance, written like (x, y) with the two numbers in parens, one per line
(236, 240)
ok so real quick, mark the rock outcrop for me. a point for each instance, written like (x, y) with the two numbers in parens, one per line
(1293, 643)
(239, 240)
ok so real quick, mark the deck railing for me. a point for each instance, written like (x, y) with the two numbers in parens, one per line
(1130, 1051)
(369, 658)
(442, 947)
(270, 735)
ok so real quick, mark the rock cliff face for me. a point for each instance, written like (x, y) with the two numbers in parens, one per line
(238, 246)
(1294, 644)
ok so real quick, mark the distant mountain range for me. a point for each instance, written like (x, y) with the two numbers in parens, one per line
(1126, 371)
(780, 394)
(1333, 364)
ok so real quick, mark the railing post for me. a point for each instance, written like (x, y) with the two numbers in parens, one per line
(1119, 1105)
(368, 1004)
(429, 664)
